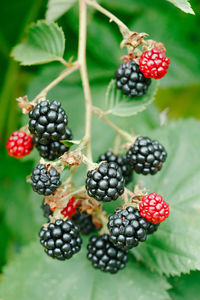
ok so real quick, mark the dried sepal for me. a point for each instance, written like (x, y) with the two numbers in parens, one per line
(25, 105)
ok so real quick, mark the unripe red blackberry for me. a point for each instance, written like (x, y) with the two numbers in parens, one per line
(127, 228)
(60, 240)
(70, 209)
(45, 182)
(54, 149)
(131, 80)
(19, 144)
(154, 63)
(153, 208)
(146, 156)
(105, 256)
(126, 170)
(48, 121)
(105, 183)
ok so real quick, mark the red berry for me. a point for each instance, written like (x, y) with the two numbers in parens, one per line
(153, 208)
(19, 144)
(70, 209)
(154, 63)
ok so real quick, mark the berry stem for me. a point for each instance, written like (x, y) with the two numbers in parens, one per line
(101, 114)
(122, 27)
(75, 66)
(84, 74)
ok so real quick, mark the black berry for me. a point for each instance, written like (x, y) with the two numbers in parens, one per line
(60, 240)
(44, 181)
(146, 156)
(48, 121)
(54, 149)
(105, 183)
(152, 227)
(126, 170)
(46, 210)
(84, 221)
(127, 228)
(105, 256)
(131, 80)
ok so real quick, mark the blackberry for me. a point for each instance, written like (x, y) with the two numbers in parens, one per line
(127, 228)
(84, 221)
(131, 80)
(47, 121)
(60, 240)
(54, 149)
(46, 210)
(105, 183)
(105, 256)
(126, 170)
(45, 182)
(152, 227)
(146, 156)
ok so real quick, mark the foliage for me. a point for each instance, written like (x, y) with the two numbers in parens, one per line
(173, 250)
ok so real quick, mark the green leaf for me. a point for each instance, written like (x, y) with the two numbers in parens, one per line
(44, 278)
(57, 8)
(122, 106)
(45, 42)
(69, 143)
(174, 248)
(184, 5)
(185, 287)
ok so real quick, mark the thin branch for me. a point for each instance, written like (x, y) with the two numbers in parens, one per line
(97, 111)
(123, 28)
(84, 74)
(64, 74)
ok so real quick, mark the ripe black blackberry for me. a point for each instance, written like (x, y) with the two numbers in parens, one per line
(127, 228)
(105, 256)
(146, 156)
(48, 121)
(152, 227)
(126, 170)
(105, 183)
(46, 210)
(131, 80)
(60, 240)
(45, 182)
(54, 149)
(84, 221)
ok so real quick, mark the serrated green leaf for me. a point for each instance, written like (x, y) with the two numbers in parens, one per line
(174, 248)
(57, 8)
(184, 5)
(69, 143)
(185, 287)
(45, 43)
(122, 106)
(42, 278)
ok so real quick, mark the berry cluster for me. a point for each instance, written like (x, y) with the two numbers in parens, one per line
(127, 226)
(133, 79)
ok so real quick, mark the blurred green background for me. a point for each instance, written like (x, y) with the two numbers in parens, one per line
(179, 91)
